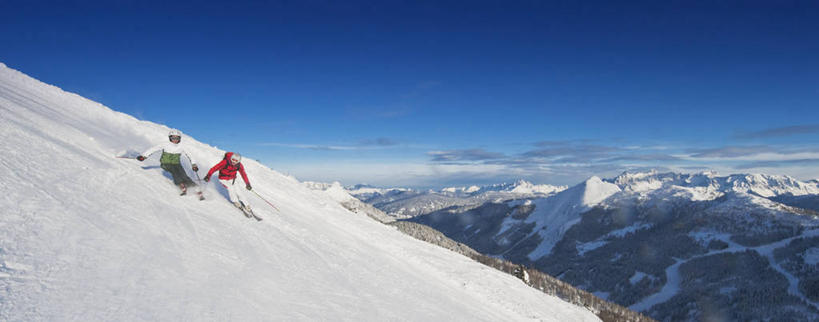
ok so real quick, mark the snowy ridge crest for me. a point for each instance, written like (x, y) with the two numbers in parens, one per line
(554, 215)
(335, 190)
(595, 190)
(405, 203)
(709, 186)
(368, 190)
(520, 187)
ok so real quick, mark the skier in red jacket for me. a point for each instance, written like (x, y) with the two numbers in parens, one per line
(230, 164)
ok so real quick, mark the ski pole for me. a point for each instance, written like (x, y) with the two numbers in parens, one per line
(201, 188)
(265, 200)
(197, 177)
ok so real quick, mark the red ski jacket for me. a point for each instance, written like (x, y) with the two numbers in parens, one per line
(227, 171)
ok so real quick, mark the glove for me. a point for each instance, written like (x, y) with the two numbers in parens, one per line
(195, 168)
(249, 187)
(141, 158)
(207, 179)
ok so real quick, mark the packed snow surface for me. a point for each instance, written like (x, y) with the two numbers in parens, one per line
(86, 236)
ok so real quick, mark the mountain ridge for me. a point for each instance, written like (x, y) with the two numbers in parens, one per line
(657, 236)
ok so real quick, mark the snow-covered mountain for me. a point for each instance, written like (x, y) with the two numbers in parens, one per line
(520, 187)
(708, 186)
(365, 191)
(336, 191)
(674, 246)
(406, 203)
(87, 236)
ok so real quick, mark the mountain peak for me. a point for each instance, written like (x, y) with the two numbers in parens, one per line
(769, 185)
(522, 182)
(594, 190)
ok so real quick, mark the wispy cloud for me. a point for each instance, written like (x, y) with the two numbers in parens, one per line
(644, 157)
(731, 151)
(382, 141)
(555, 161)
(781, 131)
(571, 161)
(572, 151)
(316, 147)
(778, 164)
(561, 160)
(368, 144)
(464, 155)
(561, 143)
(695, 168)
(577, 152)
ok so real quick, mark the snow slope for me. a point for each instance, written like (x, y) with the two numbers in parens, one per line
(553, 216)
(86, 236)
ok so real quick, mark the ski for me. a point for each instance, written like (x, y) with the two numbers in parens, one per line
(248, 212)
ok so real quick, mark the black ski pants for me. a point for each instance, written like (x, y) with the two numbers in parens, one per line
(178, 174)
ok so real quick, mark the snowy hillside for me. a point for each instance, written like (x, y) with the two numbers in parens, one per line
(543, 219)
(554, 216)
(340, 195)
(674, 246)
(86, 236)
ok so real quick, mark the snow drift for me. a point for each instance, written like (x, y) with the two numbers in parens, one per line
(86, 236)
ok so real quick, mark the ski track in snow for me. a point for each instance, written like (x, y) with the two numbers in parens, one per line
(87, 236)
(672, 286)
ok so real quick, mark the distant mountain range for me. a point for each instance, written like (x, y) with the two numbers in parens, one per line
(604, 309)
(406, 203)
(674, 246)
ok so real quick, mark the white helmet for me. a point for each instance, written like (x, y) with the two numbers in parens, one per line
(236, 158)
(174, 133)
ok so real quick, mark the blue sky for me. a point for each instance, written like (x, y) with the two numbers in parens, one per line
(439, 93)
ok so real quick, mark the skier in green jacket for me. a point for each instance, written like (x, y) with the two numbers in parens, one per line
(170, 161)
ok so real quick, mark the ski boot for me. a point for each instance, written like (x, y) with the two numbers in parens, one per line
(246, 208)
(249, 212)
(242, 208)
